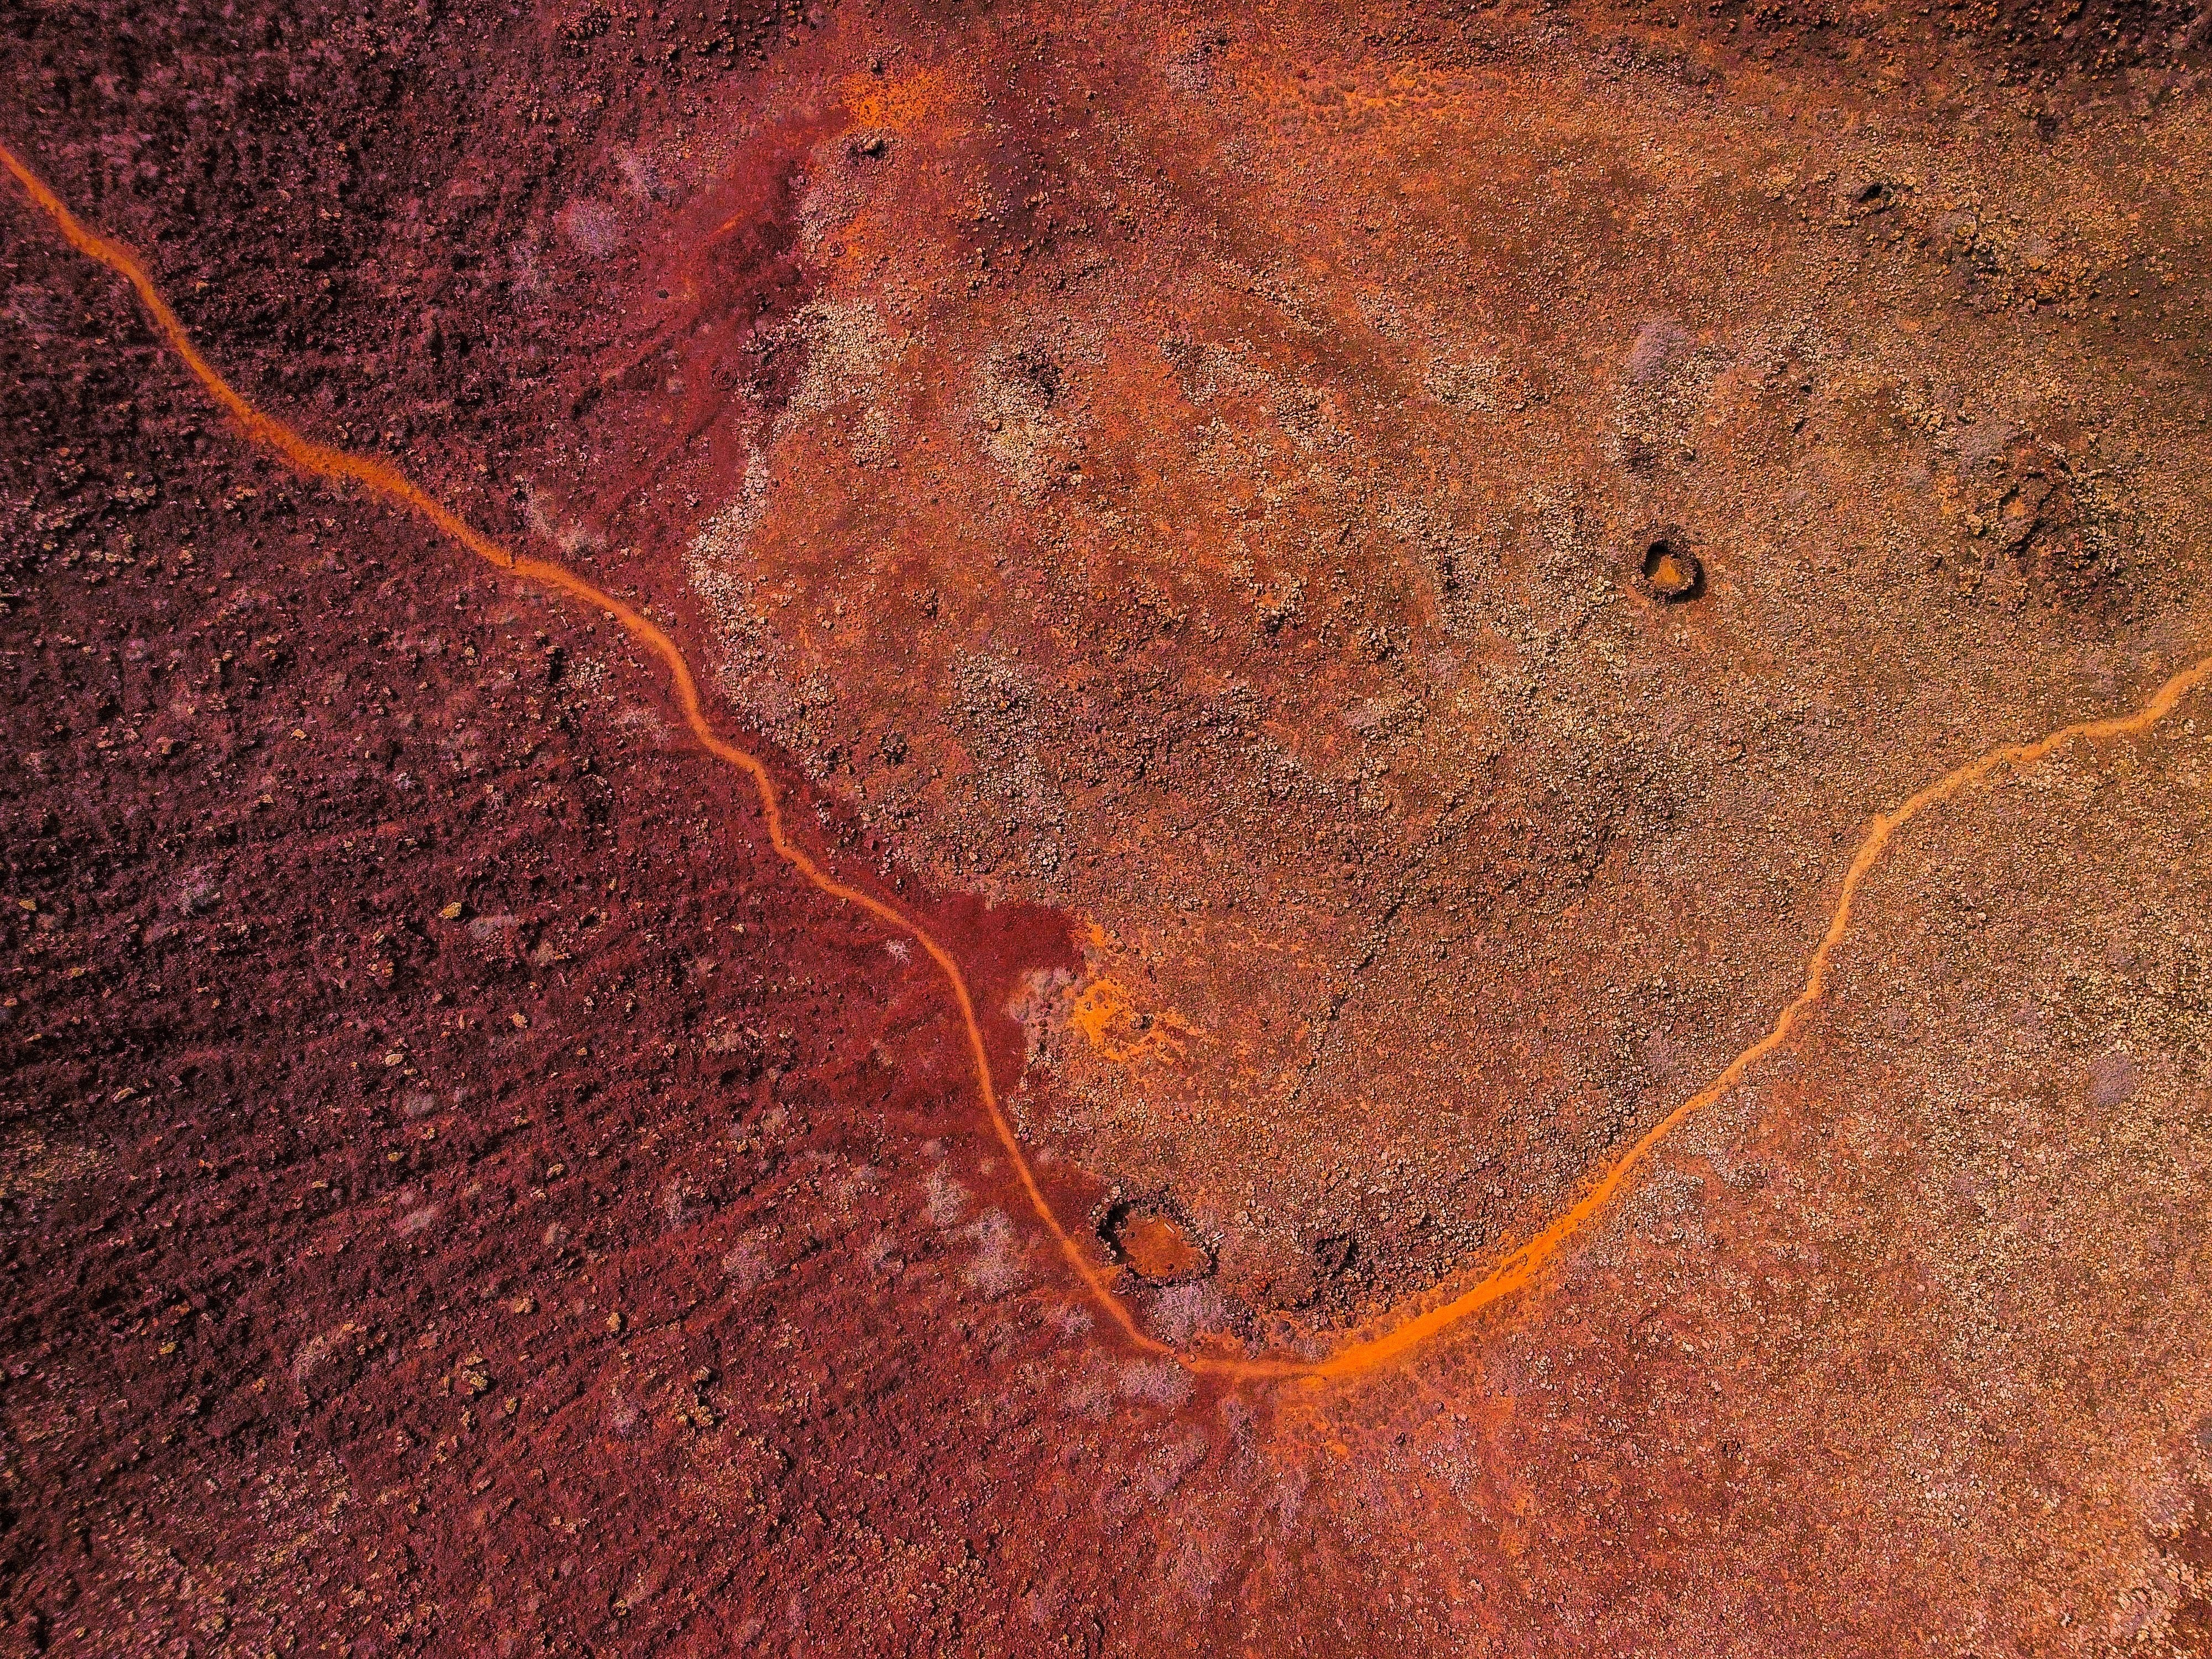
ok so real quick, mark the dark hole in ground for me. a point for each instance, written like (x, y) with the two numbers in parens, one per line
(1672, 573)
(1041, 371)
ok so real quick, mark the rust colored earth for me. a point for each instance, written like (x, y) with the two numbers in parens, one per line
(874, 828)
(1154, 1247)
(1158, 1249)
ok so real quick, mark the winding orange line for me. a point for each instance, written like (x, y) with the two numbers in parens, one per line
(1515, 1273)
(378, 478)
(1509, 1277)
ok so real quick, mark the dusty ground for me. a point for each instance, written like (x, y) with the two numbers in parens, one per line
(1177, 497)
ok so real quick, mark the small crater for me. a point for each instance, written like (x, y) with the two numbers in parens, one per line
(1334, 1255)
(2049, 528)
(1155, 1245)
(1041, 371)
(1671, 572)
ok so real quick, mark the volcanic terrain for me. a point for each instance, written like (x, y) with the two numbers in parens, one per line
(999, 829)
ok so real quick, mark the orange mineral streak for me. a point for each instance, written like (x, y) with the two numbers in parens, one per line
(1515, 1274)
(379, 478)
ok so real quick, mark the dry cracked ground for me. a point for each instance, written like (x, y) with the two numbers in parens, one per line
(1367, 569)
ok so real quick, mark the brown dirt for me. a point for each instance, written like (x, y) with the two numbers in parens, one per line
(1174, 500)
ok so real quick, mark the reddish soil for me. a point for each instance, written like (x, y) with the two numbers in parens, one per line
(1364, 578)
(1157, 1248)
